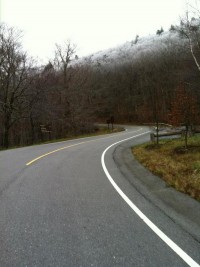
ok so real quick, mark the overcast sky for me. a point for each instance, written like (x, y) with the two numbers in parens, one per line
(91, 24)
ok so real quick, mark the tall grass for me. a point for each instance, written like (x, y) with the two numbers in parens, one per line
(178, 166)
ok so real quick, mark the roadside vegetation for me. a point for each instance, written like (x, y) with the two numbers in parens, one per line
(98, 130)
(148, 79)
(176, 165)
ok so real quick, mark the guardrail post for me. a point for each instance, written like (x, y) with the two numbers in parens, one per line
(152, 137)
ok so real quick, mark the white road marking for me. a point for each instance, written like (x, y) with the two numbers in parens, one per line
(156, 230)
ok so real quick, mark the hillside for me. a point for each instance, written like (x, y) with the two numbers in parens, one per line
(132, 50)
(134, 82)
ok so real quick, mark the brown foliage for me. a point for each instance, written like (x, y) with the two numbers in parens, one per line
(184, 108)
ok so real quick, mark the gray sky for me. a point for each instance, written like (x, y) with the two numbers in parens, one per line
(91, 24)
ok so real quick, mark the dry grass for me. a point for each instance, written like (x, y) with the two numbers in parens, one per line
(180, 168)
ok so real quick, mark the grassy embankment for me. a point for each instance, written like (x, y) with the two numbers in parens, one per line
(169, 160)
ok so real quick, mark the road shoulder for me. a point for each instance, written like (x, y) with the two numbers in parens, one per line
(181, 208)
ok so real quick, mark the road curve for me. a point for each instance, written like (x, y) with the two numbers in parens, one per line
(58, 208)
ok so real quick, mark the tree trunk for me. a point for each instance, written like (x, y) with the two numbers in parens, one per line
(6, 132)
(186, 137)
(32, 130)
(157, 130)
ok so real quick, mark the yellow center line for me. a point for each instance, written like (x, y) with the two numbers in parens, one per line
(65, 147)
(59, 149)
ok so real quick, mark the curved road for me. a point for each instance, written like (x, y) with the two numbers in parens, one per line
(68, 204)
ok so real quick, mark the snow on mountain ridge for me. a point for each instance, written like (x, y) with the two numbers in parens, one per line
(129, 49)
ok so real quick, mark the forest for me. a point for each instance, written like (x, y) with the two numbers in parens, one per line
(146, 80)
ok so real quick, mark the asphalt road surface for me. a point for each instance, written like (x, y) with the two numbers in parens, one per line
(72, 204)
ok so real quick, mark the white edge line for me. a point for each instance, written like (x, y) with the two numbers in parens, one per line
(156, 230)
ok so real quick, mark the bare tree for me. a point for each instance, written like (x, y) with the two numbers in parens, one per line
(184, 110)
(63, 57)
(15, 79)
(62, 61)
(190, 29)
(192, 33)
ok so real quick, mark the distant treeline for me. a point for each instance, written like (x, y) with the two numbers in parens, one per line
(65, 97)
